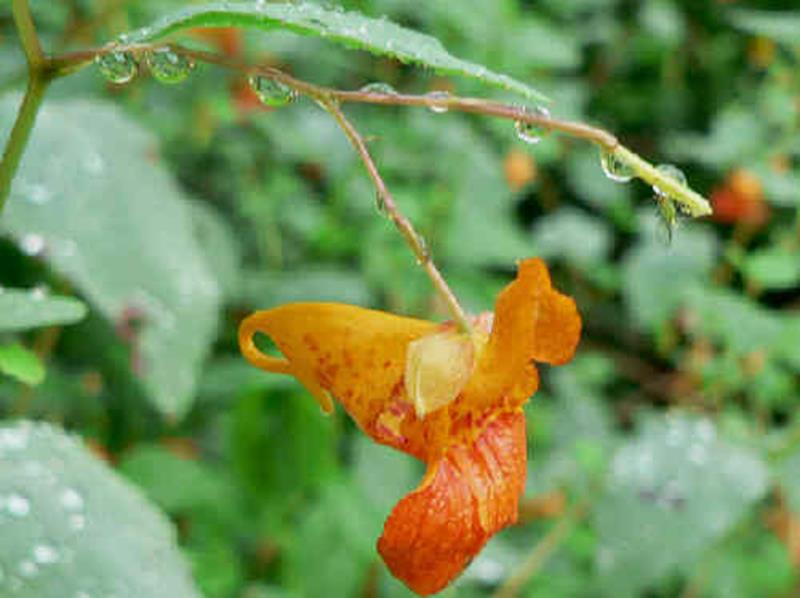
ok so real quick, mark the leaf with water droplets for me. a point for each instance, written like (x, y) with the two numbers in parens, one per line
(672, 491)
(21, 363)
(352, 29)
(71, 527)
(119, 228)
(23, 309)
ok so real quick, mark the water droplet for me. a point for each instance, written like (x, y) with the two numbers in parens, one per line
(614, 168)
(440, 98)
(17, 505)
(167, 66)
(271, 92)
(39, 195)
(117, 66)
(672, 172)
(28, 568)
(532, 132)
(667, 218)
(32, 244)
(94, 163)
(44, 554)
(39, 292)
(697, 454)
(14, 439)
(71, 500)
(425, 251)
(76, 522)
(379, 88)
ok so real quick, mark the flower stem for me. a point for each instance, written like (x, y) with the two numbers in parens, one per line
(20, 133)
(403, 224)
(27, 34)
(541, 552)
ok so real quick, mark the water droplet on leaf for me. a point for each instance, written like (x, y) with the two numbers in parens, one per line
(440, 98)
(117, 66)
(44, 554)
(672, 172)
(17, 505)
(532, 132)
(32, 244)
(271, 92)
(614, 168)
(71, 500)
(167, 66)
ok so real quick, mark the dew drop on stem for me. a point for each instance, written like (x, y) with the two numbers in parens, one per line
(439, 101)
(167, 66)
(117, 66)
(614, 168)
(272, 92)
(531, 132)
(672, 172)
(379, 87)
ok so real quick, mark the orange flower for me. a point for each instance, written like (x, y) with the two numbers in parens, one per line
(453, 401)
(740, 199)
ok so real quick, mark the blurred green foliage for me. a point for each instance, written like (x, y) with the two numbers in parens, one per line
(172, 211)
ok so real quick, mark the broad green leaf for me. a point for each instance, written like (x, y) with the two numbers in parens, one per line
(582, 240)
(21, 363)
(735, 321)
(657, 278)
(378, 36)
(117, 226)
(780, 26)
(178, 485)
(219, 245)
(772, 268)
(72, 527)
(673, 490)
(23, 309)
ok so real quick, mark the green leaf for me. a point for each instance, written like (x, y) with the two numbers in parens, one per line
(166, 478)
(772, 268)
(673, 491)
(72, 527)
(22, 309)
(657, 279)
(780, 26)
(20, 363)
(117, 226)
(378, 36)
(582, 240)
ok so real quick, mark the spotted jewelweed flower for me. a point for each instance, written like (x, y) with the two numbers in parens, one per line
(447, 398)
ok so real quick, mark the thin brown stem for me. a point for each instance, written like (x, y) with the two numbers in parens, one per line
(403, 224)
(541, 552)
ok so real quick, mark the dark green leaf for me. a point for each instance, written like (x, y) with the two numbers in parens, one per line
(378, 36)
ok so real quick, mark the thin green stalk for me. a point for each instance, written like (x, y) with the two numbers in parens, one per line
(20, 133)
(27, 34)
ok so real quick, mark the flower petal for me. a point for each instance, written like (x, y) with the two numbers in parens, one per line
(532, 322)
(358, 355)
(466, 496)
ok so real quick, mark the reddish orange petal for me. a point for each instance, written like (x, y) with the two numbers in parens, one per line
(467, 495)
